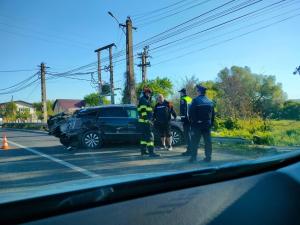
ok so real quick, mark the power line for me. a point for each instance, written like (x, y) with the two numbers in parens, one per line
(227, 40)
(20, 83)
(137, 16)
(15, 71)
(219, 25)
(170, 13)
(226, 33)
(154, 20)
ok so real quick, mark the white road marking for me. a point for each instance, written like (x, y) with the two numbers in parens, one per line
(62, 162)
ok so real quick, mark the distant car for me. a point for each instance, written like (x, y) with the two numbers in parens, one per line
(91, 127)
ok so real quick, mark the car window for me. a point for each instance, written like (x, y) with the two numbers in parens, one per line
(113, 112)
(131, 113)
(89, 113)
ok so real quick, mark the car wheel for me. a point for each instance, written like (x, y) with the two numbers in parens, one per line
(91, 140)
(177, 136)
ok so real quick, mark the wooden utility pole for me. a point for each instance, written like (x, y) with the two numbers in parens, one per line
(130, 91)
(43, 90)
(99, 76)
(144, 64)
(111, 78)
(110, 69)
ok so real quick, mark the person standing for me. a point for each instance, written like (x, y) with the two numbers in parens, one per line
(163, 113)
(201, 114)
(145, 124)
(185, 101)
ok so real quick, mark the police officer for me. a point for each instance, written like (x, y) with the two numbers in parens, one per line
(163, 112)
(145, 124)
(185, 101)
(201, 114)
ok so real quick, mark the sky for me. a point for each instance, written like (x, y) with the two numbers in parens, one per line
(64, 34)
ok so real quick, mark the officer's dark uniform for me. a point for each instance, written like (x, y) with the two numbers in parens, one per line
(201, 114)
(145, 126)
(185, 101)
(162, 118)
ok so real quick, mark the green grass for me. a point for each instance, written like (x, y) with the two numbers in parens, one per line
(272, 132)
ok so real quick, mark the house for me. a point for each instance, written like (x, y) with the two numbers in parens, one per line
(21, 107)
(67, 105)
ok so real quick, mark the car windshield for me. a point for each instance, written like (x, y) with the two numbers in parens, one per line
(108, 91)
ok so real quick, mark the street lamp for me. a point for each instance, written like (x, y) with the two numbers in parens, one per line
(120, 25)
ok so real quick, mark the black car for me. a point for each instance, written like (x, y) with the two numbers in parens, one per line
(91, 127)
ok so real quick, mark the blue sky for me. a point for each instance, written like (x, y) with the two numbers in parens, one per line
(64, 35)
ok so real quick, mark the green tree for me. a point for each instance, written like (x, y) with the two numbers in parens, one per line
(158, 86)
(243, 94)
(10, 111)
(290, 110)
(23, 115)
(39, 109)
(93, 99)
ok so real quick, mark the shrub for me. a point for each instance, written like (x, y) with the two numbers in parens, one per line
(263, 138)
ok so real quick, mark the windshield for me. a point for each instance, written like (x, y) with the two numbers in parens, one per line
(98, 91)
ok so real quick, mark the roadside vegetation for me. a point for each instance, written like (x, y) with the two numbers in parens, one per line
(248, 105)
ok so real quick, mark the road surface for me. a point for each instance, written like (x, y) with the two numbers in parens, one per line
(36, 159)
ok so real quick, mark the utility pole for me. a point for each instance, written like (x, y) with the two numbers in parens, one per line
(144, 64)
(43, 90)
(110, 69)
(130, 92)
(111, 78)
(99, 76)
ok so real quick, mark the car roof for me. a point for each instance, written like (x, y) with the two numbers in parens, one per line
(108, 106)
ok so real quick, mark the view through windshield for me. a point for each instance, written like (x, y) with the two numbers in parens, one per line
(93, 91)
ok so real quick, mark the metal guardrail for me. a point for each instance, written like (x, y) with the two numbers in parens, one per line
(38, 126)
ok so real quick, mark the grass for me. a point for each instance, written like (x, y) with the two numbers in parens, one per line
(271, 133)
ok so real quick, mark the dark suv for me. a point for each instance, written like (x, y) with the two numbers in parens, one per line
(91, 127)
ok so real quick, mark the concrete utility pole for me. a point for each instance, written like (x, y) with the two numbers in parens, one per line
(144, 64)
(99, 75)
(111, 78)
(43, 90)
(129, 62)
(110, 69)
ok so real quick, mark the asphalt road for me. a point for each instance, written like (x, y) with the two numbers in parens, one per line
(36, 159)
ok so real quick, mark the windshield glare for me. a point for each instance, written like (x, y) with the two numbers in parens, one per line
(101, 91)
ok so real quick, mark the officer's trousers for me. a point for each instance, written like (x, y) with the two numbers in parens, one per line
(147, 138)
(187, 135)
(196, 133)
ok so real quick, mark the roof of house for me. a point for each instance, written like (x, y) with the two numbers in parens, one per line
(69, 103)
(20, 102)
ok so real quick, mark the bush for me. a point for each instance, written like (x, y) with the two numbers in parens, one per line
(31, 126)
(263, 138)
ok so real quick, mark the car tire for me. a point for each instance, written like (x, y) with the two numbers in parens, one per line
(91, 140)
(177, 136)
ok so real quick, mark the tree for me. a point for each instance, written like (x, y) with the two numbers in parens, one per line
(158, 86)
(93, 99)
(10, 111)
(243, 94)
(39, 109)
(269, 97)
(23, 115)
(290, 110)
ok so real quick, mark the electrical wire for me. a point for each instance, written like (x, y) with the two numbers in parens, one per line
(227, 40)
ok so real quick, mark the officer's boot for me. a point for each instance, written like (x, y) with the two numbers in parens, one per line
(143, 150)
(151, 152)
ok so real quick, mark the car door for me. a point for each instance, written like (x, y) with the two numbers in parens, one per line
(113, 122)
(132, 118)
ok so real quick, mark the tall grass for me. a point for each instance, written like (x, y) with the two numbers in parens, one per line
(271, 132)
